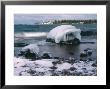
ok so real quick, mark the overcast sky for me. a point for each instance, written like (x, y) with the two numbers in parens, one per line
(36, 18)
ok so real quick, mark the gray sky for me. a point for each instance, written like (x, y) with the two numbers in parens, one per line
(36, 18)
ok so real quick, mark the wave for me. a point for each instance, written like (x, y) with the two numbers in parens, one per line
(31, 34)
(41, 34)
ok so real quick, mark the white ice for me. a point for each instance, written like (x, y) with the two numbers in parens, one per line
(33, 48)
(59, 33)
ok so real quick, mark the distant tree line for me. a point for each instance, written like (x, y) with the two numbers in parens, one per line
(74, 21)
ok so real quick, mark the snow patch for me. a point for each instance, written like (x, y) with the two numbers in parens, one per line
(63, 66)
(44, 63)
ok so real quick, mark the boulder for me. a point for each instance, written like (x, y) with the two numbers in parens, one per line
(64, 34)
(50, 40)
(94, 64)
(30, 52)
(72, 68)
(83, 54)
(53, 67)
(88, 51)
(46, 55)
(28, 55)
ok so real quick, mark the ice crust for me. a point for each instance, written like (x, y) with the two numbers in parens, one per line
(59, 33)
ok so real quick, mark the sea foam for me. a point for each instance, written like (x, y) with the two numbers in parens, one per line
(31, 34)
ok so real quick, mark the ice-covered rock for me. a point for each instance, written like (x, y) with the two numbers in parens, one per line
(30, 52)
(46, 55)
(64, 33)
(33, 48)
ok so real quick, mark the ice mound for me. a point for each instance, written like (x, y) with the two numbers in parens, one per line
(33, 48)
(64, 33)
(30, 52)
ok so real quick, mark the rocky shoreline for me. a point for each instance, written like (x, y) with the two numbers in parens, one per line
(54, 67)
(31, 63)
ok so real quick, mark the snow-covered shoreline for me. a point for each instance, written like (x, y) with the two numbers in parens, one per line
(45, 67)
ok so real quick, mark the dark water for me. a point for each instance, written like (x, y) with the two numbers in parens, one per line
(47, 28)
(57, 50)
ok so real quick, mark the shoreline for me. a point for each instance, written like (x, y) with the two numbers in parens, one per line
(46, 67)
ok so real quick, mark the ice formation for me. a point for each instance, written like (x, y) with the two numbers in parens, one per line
(64, 33)
(33, 48)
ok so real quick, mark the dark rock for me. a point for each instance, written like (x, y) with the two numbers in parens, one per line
(40, 74)
(89, 52)
(20, 74)
(94, 64)
(61, 43)
(83, 59)
(56, 57)
(72, 68)
(65, 72)
(71, 60)
(90, 59)
(94, 71)
(24, 66)
(83, 68)
(31, 71)
(77, 73)
(53, 67)
(55, 62)
(83, 54)
(85, 50)
(59, 62)
(61, 58)
(28, 55)
(46, 56)
(54, 74)
(50, 40)
(20, 44)
(76, 41)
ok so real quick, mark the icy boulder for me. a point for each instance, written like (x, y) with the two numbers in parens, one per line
(64, 33)
(33, 48)
(30, 52)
